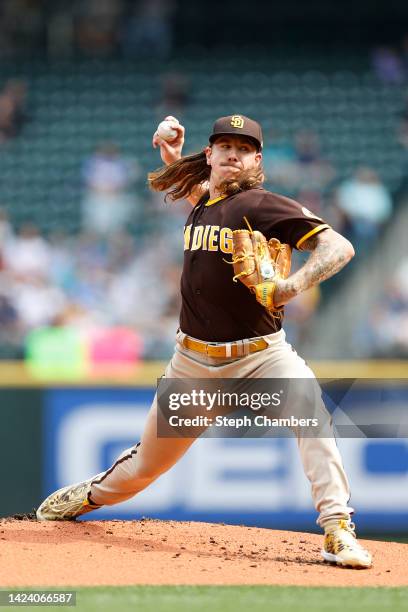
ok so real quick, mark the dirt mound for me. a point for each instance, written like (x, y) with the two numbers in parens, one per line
(165, 552)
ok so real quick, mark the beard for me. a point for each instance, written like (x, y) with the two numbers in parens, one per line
(243, 180)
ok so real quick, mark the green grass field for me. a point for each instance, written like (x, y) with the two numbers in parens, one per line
(245, 598)
(237, 599)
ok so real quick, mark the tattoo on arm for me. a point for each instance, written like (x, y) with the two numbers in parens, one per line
(310, 244)
(330, 252)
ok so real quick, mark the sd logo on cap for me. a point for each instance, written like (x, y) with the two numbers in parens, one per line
(239, 125)
(237, 121)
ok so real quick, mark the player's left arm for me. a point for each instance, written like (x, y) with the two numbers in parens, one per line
(330, 252)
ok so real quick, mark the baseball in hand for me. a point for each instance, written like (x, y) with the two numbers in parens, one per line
(166, 130)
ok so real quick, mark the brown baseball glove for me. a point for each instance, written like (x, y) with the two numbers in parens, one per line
(258, 263)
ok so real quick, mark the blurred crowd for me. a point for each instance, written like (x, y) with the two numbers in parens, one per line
(357, 206)
(384, 333)
(87, 282)
(90, 28)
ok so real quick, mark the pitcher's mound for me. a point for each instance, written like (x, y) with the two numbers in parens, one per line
(147, 551)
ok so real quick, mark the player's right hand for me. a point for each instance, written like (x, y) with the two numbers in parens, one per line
(170, 151)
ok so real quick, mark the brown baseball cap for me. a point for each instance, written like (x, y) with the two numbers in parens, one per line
(238, 125)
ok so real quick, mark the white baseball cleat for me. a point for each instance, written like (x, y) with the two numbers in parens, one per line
(341, 546)
(67, 503)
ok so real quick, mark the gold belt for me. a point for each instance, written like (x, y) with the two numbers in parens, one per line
(229, 349)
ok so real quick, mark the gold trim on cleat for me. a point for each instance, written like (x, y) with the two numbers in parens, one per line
(342, 548)
(67, 503)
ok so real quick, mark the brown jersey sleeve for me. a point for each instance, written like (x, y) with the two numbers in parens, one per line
(286, 220)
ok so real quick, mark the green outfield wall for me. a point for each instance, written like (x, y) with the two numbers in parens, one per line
(20, 449)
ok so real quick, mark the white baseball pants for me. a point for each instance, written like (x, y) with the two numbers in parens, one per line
(140, 465)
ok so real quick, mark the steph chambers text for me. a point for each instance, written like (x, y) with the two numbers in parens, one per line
(237, 422)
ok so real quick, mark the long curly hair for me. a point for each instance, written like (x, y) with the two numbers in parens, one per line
(180, 178)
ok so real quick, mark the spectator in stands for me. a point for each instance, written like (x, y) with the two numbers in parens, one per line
(27, 254)
(6, 235)
(6, 118)
(107, 205)
(388, 65)
(386, 333)
(12, 109)
(98, 26)
(11, 329)
(148, 30)
(37, 301)
(366, 205)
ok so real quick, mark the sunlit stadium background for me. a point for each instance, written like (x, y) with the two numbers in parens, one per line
(90, 259)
